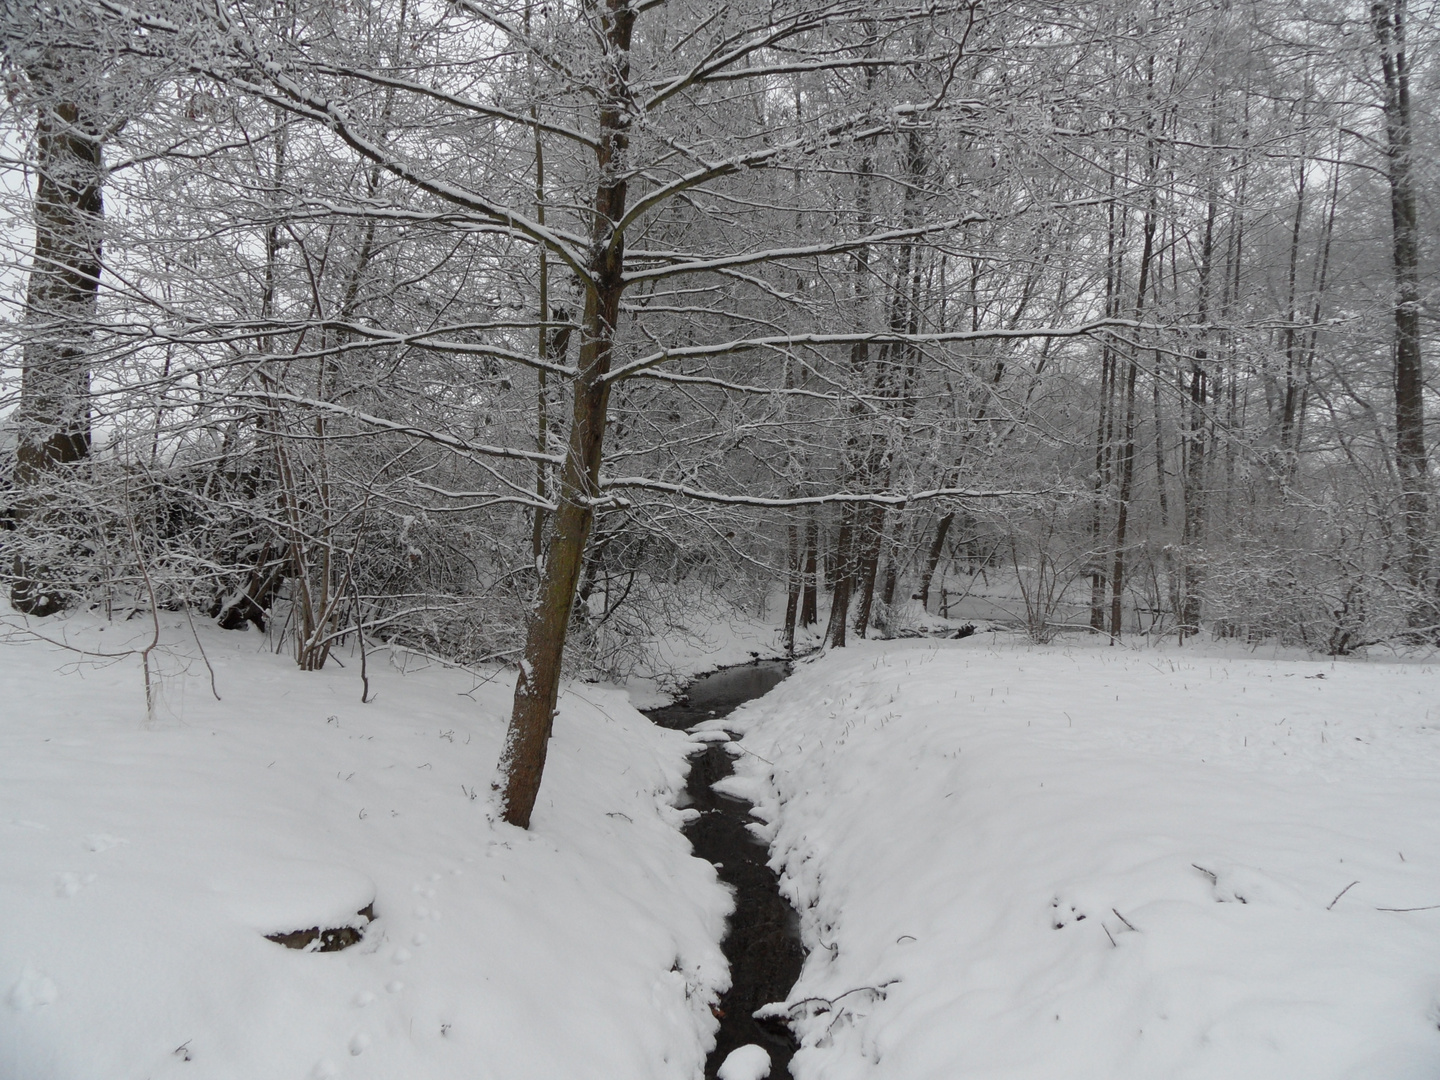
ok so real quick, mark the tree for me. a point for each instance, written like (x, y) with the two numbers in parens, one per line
(1389, 19)
(67, 95)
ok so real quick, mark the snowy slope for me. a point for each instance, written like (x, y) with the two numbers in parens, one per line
(1071, 863)
(141, 864)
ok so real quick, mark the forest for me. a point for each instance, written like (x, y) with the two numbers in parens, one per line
(527, 336)
(483, 328)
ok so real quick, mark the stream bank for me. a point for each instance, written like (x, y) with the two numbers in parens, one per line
(762, 942)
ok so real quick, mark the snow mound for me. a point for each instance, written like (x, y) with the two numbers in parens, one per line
(1105, 864)
(143, 863)
(749, 1062)
(288, 894)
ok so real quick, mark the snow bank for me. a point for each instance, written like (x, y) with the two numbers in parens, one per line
(1088, 862)
(141, 865)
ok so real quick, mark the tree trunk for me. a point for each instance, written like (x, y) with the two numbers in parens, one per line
(1389, 18)
(868, 564)
(1127, 447)
(793, 561)
(537, 686)
(932, 558)
(1105, 416)
(1192, 488)
(809, 600)
(843, 580)
(53, 418)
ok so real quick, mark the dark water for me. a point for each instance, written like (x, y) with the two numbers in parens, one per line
(763, 939)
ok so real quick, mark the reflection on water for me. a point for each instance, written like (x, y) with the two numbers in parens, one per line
(732, 686)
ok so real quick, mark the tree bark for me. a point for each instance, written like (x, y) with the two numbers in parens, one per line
(793, 561)
(1192, 489)
(809, 599)
(843, 582)
(932, 558)
(537, 686)
(1389, 19)
(53, 417)
(873, 533)
(1127, 447)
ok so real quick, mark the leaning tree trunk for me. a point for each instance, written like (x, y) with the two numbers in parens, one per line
(537, 687)
(1410, 460)
(932, 559)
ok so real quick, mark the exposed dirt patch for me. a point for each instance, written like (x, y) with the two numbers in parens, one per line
(326, 939)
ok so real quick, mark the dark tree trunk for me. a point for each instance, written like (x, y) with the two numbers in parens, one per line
(794, 558)
(53, 419)
(1127, 446)
(1389, 18)
(809, 599)
(887, 595)
(932, 558)
(872, 530)
(537, 686)
(1192, 527)
(1105, 420)
(843, 580)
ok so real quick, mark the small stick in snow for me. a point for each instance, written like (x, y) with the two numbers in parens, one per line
(752, 754)
(1214, 879)
(1341, 893)
(1108, 934)
(1128, 924)
(1428, 907)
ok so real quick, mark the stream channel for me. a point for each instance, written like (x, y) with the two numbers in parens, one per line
(762, 941)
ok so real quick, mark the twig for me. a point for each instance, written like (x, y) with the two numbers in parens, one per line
(360, 636)
(751, 753)
(154, 610)
(878, 991)
(1427, 907)
(1128, 925)
(1108, 934)
(66, 645)
(1341, 893)
(1214, 879)
(190, 619)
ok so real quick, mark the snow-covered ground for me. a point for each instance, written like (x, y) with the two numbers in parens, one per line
(1024, 863)
(141, 864)
(1087, 862)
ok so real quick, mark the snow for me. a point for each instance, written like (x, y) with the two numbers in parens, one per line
(1088, 862)
(143, 861)
(1010, 862)
(748, 1062)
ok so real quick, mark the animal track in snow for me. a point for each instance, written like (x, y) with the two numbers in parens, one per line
(69, 883)
(34, 989)
(103, 842)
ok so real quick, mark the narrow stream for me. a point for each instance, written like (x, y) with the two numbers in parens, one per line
(762, 942)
